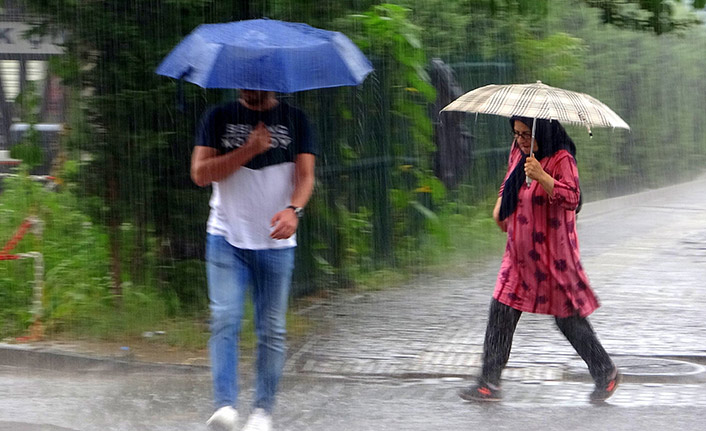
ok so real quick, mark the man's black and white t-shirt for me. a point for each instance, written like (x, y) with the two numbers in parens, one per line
(243, 204)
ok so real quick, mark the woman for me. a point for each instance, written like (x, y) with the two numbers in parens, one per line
(541, 271)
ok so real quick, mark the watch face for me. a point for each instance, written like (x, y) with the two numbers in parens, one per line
(298, 211)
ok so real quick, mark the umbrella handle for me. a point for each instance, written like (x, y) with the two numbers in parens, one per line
(531, 154)
(528, 180)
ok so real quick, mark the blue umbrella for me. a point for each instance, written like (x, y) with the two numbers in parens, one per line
(265, 54)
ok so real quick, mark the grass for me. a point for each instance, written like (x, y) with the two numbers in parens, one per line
(78, 305)
(137, 323)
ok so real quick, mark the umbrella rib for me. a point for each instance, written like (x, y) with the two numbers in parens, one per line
(577, 100)
(475, 101)
(527, 102)
(605, 112)
(562, 113)
(496, 101)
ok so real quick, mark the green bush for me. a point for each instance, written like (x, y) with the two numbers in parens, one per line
(77, 296)
(15, 298)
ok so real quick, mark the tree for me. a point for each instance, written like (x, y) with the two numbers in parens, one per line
(136, 140)
(660, 16)
(127, 132)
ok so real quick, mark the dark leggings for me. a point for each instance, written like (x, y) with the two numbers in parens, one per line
(502, 322)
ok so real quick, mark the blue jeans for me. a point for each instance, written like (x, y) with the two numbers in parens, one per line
(230, 272)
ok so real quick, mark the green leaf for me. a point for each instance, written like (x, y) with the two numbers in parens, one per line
(426, 212)
(29, 152)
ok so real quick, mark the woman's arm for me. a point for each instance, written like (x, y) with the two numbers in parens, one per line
(562, 186)
(566, 191)
(502, 224)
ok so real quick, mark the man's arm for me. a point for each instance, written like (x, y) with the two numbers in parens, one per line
(304, 174)
(207, 166)
(285, 222)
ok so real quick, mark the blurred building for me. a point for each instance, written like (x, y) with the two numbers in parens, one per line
(24, 64)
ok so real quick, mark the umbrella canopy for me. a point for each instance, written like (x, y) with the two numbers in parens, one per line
(538, 101)
(266, 55)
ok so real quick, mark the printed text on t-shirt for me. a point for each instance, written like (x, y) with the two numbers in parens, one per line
(237, 134)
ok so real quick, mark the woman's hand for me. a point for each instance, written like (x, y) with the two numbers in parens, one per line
(534, 171)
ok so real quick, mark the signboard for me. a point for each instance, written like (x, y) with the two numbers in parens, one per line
(13, 41)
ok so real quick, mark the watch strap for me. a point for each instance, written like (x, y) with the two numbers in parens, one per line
(298, 211)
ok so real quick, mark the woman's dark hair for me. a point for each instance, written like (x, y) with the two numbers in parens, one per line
(550, 137)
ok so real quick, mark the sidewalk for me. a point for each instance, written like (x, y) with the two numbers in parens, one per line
(645, 255)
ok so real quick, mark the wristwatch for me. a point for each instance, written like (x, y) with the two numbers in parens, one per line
(298, 211)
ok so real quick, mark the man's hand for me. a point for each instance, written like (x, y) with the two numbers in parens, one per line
(259, 139)
(284, 223)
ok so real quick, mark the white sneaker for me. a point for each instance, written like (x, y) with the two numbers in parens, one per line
(224, 419)
(259, 420)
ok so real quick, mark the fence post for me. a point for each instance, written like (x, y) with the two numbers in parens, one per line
(35, 226)
(36, 329)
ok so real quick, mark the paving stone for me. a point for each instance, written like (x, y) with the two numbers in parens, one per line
(645, 256)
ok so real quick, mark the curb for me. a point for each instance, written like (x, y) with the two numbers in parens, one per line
(13, 426)
(690, 368)
(55, 360)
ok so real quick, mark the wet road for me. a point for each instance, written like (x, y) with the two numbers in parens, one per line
(39, 400)
(392, 360)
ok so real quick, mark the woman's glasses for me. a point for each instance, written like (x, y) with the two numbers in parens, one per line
(523, 135)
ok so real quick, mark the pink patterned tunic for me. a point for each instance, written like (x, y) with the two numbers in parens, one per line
(541, 270)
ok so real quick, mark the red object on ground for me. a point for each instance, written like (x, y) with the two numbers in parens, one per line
(15, 239)
(36, 329)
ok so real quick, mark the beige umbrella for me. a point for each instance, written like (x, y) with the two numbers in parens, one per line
(538, 101)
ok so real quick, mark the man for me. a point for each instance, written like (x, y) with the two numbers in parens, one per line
(259, 156)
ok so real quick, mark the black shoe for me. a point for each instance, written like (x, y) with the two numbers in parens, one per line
(603, 392)
(480, 392)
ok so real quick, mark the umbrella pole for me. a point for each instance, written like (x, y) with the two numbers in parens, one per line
(534, 128)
